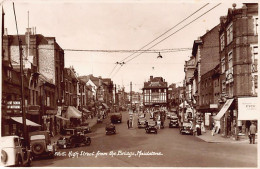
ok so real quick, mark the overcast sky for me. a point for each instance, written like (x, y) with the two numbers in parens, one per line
(118, 25)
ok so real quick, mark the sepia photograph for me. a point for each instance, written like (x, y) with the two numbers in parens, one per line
(135, 83)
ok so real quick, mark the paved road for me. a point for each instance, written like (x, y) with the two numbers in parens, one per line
(173, 150)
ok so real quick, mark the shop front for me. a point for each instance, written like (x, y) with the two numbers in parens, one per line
(247, 112)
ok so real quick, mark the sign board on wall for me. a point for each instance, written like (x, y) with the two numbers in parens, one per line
(248, 108)
(207, 116)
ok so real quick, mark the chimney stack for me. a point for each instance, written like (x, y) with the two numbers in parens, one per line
(151, 78)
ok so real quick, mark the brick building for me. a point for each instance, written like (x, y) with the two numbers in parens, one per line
(45, 60)
(238, 38)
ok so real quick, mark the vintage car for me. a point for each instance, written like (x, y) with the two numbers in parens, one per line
(141, 122)
(186, 128)
(116, 118)
(41, 145)
(85, 128)
(174, 122)
(13, 152)
(151, 127)
(110, 129)
(73, 137)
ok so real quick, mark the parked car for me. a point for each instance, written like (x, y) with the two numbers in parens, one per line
(41, 145)
(174, 122)
(73, 137)
(186, 128)
(110, 129)
(86, 128)
(141, 122)
(14, 152)
(171, 115)
(116, 118)
(151, 127)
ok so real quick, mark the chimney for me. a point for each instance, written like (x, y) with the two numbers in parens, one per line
(151, 78)
(222, 19)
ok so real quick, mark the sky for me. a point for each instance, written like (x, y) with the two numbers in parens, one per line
(119, 25)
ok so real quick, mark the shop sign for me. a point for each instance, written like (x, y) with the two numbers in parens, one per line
(14, 105)
(213, 106)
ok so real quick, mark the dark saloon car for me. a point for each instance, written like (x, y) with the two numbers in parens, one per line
(116, 118)
(110, 129)
(41, 145)
(151, 127)
(72, 138)
(174, 122)
(186, 128)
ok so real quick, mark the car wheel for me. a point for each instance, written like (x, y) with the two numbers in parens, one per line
(87, 142)
(72, 143)
(19, 162)
(38, 148)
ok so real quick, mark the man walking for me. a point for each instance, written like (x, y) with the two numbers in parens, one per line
(128, 123)
(252, 131)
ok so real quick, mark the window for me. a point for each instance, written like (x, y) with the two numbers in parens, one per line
(255, 81)
(254, 58)
(230, 60)
(223, 86)
(255, 25)
(222, 42)
(223, 65)
(230, 33)
(9, 74)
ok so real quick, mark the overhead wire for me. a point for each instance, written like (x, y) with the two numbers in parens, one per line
(165, 32)
(172, 33)
(176, 31)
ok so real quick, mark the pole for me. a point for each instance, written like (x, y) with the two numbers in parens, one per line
(25, 133)
(131, 94)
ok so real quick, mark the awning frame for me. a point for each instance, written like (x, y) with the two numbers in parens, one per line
(28, 122)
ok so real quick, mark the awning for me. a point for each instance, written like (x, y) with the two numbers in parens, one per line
(247, 108)
(86, 110)
(105, 105)
(63, 118)
(223, 109)
(72, 112)
(28, 122)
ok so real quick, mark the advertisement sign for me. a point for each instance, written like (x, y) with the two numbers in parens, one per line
(248, 108)
(14, 105)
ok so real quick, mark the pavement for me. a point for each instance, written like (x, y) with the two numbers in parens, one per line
(218, 138)
(91, 122)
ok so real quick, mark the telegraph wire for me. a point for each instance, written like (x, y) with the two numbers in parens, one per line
(172, 34)
(166, 32)
(175, 31)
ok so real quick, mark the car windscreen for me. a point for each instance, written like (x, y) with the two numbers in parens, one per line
(151, 123)
(68, 132)
(37, 137)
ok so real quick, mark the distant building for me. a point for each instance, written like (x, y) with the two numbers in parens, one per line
(155, 92)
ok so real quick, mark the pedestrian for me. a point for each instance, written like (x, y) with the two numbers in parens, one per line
(252, 132)
(128, 123)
